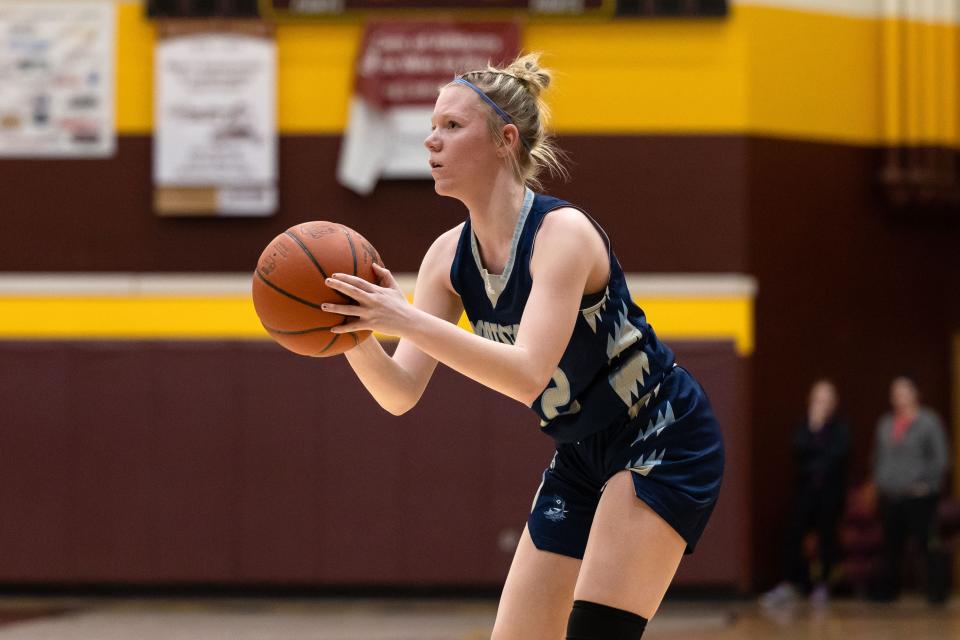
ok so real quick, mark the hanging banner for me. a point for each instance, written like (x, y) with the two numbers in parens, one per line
(56, 78)
(215, 133)
(400, 68)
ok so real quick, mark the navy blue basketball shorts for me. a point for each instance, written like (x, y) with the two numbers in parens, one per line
(673, 450)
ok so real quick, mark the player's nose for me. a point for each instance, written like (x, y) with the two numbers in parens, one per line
(431, 142)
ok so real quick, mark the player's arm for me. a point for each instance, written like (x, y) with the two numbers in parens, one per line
(568, 248)
(397, 382)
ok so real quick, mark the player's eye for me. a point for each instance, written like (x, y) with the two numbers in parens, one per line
(452, 125)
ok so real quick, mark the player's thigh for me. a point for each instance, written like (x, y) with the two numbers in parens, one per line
(632, 553)
(537, 595)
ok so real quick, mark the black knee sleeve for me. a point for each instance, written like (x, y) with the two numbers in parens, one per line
(592, 621)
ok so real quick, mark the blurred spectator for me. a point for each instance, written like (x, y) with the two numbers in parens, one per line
(909, 461)
(821, 444)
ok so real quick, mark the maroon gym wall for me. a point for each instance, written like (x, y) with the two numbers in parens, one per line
(239, 463)
(672, 204)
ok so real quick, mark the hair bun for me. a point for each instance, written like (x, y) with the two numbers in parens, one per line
(527, 70)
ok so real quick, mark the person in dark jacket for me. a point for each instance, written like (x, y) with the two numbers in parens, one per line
(821, 447)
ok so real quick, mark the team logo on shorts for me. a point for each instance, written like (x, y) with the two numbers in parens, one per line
(557, 510)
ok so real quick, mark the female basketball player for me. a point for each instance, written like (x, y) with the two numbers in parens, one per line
(639, 456)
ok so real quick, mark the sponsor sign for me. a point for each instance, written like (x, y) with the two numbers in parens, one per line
(215, 138)
(400, 68)
(56, 79)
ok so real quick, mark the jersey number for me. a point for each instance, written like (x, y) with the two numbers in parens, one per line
(556, 397)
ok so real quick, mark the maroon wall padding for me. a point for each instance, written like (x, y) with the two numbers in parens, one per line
(847, 290)
(670, 203)
(239, 463)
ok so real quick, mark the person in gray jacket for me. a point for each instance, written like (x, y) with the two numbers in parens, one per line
(909, 460)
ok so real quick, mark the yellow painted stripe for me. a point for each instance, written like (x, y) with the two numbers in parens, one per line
(315, 76)
(813, 75)
(615, 76)
(911, 89)
(891, 78)
(135, 40)
(919, 83)
(703, 319)
(646, 76)
(228, 317)
(768, 71)
(233, 318)
(951, 69)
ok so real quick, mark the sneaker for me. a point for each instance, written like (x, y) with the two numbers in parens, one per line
(784, 594)
(820, 596)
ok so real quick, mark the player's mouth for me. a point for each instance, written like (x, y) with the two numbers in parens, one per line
(435, 165)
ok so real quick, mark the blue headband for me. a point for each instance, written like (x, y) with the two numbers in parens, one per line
(500, 112)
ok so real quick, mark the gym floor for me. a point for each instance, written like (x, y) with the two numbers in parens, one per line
(24, 618)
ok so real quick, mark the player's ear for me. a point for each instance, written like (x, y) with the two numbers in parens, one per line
(510, 138)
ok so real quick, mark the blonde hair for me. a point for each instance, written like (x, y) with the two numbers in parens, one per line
(516, 89)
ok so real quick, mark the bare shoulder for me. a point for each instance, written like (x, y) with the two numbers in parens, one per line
(569, 245)
(565, 221)
(443, 249)
(568, 229)
(446, 242)
(439, 257)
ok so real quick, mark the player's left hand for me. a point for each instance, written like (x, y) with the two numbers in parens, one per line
(379, 307)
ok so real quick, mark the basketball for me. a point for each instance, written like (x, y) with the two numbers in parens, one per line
(289, 286)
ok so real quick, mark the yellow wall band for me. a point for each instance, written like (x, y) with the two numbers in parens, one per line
(812, 76)
(768, 71)
(120, 317)
(645, 76)
(703, 319)
(134, 90)
(233, 318)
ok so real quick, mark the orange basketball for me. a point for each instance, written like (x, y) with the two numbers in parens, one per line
(289, 287)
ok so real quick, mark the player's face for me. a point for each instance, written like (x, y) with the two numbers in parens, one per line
(463, 155)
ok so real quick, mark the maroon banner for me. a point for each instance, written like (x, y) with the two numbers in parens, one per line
(404, 63)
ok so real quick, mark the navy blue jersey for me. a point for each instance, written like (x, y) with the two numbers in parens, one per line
(613, 363)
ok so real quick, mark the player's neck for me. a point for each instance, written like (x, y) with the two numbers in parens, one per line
(494, 214)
